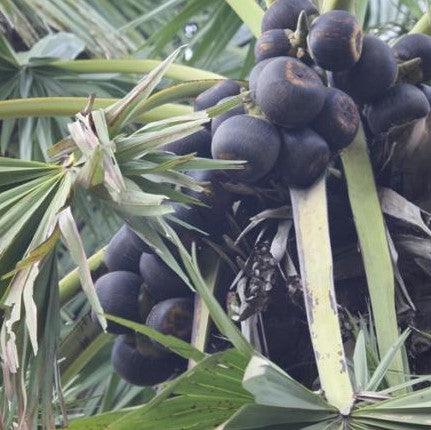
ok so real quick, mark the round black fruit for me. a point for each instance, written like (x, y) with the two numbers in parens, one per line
(338, 121)
(426, 89)
(210, 97)
(401, 104)
(335, 40)
(118, 293)
(254, 140)
(215, 196)
(124, 251)
(284, 14)
(218, 120)
(161, 281)
(304, 157)
(138, 370)
(413, 46)
(172, 317)
(254, 76)
(273, 43)
(199, 142)
(290, 93)
(217, 201)
(372, 75)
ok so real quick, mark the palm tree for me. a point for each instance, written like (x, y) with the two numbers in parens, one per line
(107, 167)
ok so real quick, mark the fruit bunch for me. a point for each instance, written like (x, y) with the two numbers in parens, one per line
(316, 78)
(140, 287)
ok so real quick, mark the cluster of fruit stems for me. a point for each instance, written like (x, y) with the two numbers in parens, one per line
(70, 285)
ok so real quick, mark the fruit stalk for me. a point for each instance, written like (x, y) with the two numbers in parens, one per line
(250, 13)
(71, 284)
(315, 258)
(69, 106)
(94, 66)
(347, 5)
(423, 25)
(374, 246)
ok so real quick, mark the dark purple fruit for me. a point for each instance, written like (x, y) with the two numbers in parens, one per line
(124, 251)
(290, 93)
(139, 370)
(161, 281)
(285, 13)
(172, 317)
(118, 293)
(244, 137)
(199, 142)
(372, 75)
(335, 40)
(218, 201)
(254, 76)
(213, 95)
(215, 197)
(216, 121)
(273, 43)
(426, 89)
(338, 121)
(413, 46)
(401, 104)
(304, 157)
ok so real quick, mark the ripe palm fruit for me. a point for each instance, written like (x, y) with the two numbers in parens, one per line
(161, 282)
(218, 201)
(372, 75)
(172, 317)
(216, 121)
(118, 293)
(401, 104)
(335, 40)
(274, 43)
(426, 89)
(289, 93)
(216, 198)
(338, 121)
(244, 137)
(199, 142)
(304, 157)
(139, 370)
(210, 97)
(413, 46)
(124, 251)
(284, 14)
(254, 76)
